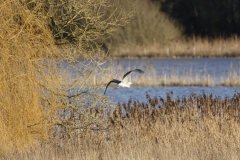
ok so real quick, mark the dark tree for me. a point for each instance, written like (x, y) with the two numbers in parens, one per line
(206, 18)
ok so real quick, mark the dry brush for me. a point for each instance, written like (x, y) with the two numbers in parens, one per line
(194, 127)
(35, 70)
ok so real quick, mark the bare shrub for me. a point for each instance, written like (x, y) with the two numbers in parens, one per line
(28, 77)
(84, 23)
(37, 76)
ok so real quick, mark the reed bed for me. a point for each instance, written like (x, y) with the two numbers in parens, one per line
(194, 127)
(187, 47)
(174, 76)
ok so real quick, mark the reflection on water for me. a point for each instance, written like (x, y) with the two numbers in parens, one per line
(139, 93)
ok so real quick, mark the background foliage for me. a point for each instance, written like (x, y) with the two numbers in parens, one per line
(206, 18)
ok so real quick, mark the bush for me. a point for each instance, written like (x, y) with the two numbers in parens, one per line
(28, 73)
(35, 82)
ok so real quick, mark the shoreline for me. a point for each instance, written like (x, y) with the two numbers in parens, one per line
(195, 47)
(173, 57)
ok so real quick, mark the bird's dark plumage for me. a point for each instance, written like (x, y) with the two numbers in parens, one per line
(135, 70)
(114, 81)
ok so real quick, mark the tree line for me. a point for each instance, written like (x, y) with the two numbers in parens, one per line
(212, 18)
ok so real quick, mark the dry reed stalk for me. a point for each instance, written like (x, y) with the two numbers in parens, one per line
(192, 47)
(195, 127)
(173, 77)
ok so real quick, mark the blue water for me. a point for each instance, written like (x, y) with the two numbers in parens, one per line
(139, 93)
(216, 67)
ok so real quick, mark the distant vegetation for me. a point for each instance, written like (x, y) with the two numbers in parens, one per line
(180, 28)
(205, 18)
(146, 27)
(195, 47)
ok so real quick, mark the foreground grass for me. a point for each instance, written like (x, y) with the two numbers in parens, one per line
(195, 127)
(190, 47)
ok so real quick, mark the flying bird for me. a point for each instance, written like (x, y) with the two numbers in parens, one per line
(124, 82)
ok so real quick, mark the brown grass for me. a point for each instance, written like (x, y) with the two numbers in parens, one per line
(187, 47)
(195, 127)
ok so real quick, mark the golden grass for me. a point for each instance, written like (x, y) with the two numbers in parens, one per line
(195, 127)
(28, 77)
(33, 88)
(188, 47)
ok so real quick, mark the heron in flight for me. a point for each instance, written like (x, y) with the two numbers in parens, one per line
(124, 82)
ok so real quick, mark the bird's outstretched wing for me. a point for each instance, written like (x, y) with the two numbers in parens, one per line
(114, 81)
(135, 70)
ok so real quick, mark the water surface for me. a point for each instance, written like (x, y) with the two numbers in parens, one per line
(139, 93)
(217, 68)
